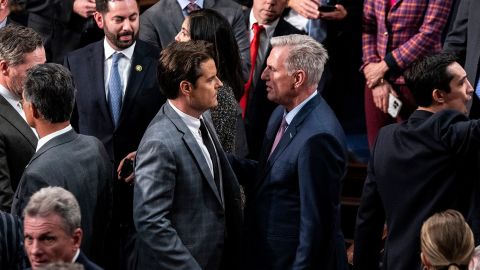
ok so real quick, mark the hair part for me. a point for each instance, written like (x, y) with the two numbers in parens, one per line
(427, 74)
(51, 89)
(305, 53)
(16, 41)
(55, 200)
(180, 61)
(447, 240)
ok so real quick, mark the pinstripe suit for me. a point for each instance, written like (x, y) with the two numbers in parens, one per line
(179, 215)
(11, 237)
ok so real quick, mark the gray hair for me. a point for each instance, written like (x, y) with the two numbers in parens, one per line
(304, 53)
(55, 200)
(50, 88)
(16, 41)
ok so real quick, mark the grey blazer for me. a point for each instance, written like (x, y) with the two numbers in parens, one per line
(81, 165)
(181, 219)
(17, 146)
(161, 23)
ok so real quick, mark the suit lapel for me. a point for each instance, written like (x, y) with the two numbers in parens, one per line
(96, 61)
(194, 148)
(176, 15)
(16, 120)
(138, 69)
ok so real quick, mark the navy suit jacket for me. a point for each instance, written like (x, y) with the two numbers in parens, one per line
(417, 168)
(91, 115)
(259, 108)
(293, 203)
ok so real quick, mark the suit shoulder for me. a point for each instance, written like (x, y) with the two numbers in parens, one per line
(227, 4)
(147, 49)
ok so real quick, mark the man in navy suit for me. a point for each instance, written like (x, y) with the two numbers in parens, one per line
(420, 167)
(118, 95)
(293, 199)
(52, 229)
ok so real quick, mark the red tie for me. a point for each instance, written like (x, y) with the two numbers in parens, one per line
(257, 30)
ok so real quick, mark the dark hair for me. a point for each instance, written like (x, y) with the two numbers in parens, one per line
(211, 26)
(102, 5)
(427, 74)
(16, 41)
(50, 88)
(181, 61)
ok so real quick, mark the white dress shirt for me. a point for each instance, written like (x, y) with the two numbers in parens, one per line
(124, 65)
(42, 141)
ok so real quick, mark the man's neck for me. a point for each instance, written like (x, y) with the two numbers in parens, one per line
(45, 128)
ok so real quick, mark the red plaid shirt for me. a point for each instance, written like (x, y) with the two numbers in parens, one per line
(405, 32)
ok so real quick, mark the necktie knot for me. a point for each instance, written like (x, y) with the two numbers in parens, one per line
(192, 6)
(116, 57)
(257, 28)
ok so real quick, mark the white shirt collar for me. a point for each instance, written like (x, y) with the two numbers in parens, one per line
(11, 98)
(109, 51)
(76, 256)
(192, 123)
(291, 114)
(42, 141)
(3, 23)
(269, 28)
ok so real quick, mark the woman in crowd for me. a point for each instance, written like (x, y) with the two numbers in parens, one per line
(446, 242)
(211, 26)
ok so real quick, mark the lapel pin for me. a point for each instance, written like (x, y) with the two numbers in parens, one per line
(138, 68)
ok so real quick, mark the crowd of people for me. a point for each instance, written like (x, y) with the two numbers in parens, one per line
(209, 134)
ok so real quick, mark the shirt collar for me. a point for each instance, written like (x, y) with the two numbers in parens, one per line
(291, 114)
(191, 122)
(269, 28)
(42, 141)
(184, 3)
(76, 256)
(3, 23)
(109, 51)
(8, 95)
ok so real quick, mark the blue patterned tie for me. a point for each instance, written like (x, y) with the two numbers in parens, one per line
(115, 92)
(317, 29)
(477, 89)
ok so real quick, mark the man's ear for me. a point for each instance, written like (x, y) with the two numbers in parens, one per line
(35, 112)
(299, 78)
(99, 19)
(438, 96)
(77, 238)
(4, 67)
(186, 87)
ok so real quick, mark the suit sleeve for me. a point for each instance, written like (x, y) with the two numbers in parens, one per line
(241, 35)
(6, 192)
(153, 196)
(369, 225)
(321, 167)
(456, 40)
(148, 32)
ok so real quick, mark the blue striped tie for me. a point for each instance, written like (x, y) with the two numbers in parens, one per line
(477, 89)
(115, 92)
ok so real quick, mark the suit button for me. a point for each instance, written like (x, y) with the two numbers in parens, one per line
(385, 34)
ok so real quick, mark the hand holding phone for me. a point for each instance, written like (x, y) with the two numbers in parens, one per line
(327, 8)
(394, 105)
(127, 168)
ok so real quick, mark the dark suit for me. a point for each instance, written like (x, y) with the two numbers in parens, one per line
(91, 116)
(182, 220)
(161, 23)
(293, 200)
(83, 260)
(61, 29)
(259, 108)
(464, 42)
(81, 165)
(17, 146)
(417, 168)
(12, 255)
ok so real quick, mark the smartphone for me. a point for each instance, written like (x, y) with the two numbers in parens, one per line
(327, 8)
(127, 168)
(394, 105)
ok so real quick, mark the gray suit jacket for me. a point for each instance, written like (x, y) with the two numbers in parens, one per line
(81, 165)
(17, 146)
(181, 219)
(161, 23)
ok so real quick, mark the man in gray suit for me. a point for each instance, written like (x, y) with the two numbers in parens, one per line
(186, 198)
(20, 49)
(64, 158)
(160, 23)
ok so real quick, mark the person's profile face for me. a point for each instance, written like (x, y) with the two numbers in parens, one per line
(203, 95)
(461, 90)
(46, 240)
(17, 73)
(184, 34)
(267, 11)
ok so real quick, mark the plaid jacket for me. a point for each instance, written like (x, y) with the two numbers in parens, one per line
(408, 30)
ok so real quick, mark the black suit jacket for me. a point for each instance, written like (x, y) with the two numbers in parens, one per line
(259, 108)
(417, 168)
(81, 165)
(17, 146)
(91, 115)
(87, 264)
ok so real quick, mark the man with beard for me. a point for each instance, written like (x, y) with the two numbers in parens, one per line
(20, 49)
(117, 96)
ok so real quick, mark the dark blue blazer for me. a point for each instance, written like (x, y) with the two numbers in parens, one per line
(293, 200)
